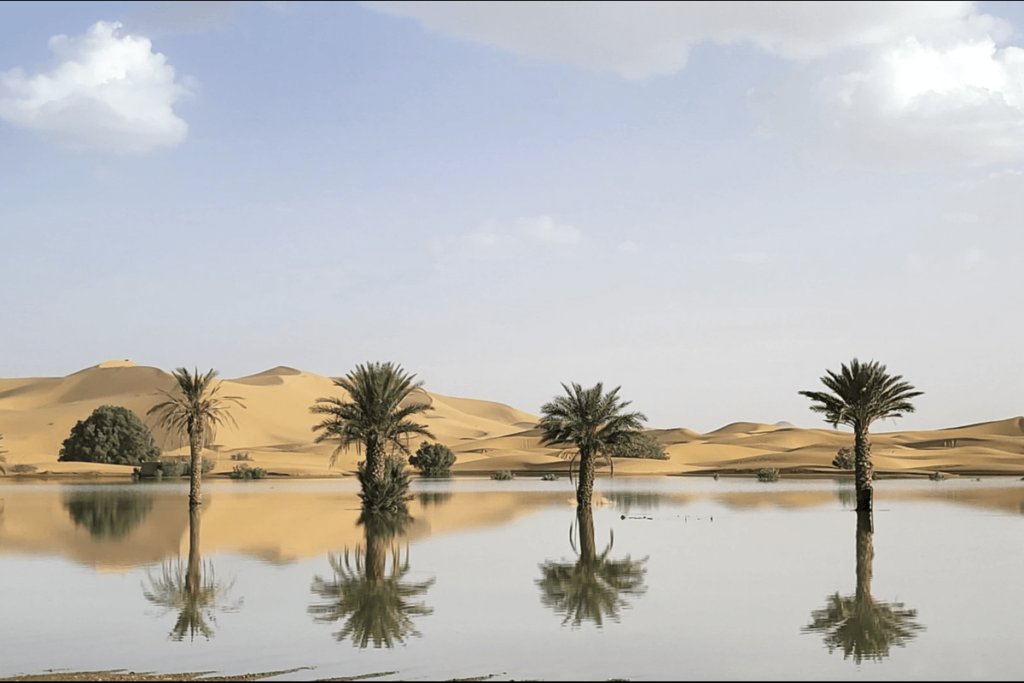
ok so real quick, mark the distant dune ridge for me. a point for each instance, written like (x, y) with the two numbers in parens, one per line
(37, 414)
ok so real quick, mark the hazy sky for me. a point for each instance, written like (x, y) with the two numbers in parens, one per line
(708, 204)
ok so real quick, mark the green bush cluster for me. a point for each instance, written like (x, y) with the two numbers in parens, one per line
(550, 476)
(640, 445)
(767, 474)
(111, 435)
(433, 460)
(937, 476)
(23, 468)
(388, 495)
(183, 467)
(503, 475)
(245, 473)
(241, 456)
(845, 459)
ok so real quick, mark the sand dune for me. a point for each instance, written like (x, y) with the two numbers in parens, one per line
(276, 429)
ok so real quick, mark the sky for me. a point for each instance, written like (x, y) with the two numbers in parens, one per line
(707, 204)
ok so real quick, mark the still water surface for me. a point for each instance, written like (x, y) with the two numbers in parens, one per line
(680, 578)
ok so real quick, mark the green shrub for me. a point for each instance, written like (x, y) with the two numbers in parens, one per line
(767, 474)
(641, 445)
(433, 460)
(112, 435)
(205, 468)
(550, 476)
(937, 476)
(172, 468)
(246, 473)
(23, 468)
(241, 456)
(845, 459)
(388, 495)
(503, 475)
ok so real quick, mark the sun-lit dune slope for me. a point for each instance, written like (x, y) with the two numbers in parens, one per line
(276, 430)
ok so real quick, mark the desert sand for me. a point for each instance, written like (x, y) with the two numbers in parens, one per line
(275, 429)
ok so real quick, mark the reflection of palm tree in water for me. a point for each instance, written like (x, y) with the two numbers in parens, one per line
(593, 587)
(374, 604)
(859, 625)
(191, 589)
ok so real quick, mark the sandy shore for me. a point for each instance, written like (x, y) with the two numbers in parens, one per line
(275, 430)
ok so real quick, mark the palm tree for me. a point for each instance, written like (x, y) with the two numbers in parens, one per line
(594, 423)
(861, 394)
(593, 587)
(375, 417)
(197, 413)
(859, 625)
(373, 604)
(3, 455)
(190, 589)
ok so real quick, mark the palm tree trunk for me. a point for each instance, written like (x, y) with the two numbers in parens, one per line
(585, 488)
(195, 443)
(863, 471)
(865, 555)
(375, 460)
(193, 576)
(585, 522)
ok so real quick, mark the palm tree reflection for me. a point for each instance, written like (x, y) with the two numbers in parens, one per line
(190, 589)
(859, 625)
(373, 603)
(593, 587)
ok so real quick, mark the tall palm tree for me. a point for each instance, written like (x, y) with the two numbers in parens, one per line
(191, 589)
(594, 423)
(3, 455)
(859, 625)
(196, 413)
(376, 417)
(861, 394)
(593, 587)
(374, 604)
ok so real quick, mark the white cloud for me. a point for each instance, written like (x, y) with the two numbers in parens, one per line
(544, 229)
(628, 247)
(973, 257)
(750, 257)
(932, 88)
(643, 39)
(492, 241)
(916, 105)
(107, 92)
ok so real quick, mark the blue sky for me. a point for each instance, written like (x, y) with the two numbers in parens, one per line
(708, 204)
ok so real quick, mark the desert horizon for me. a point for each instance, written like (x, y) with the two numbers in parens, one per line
(275, 429)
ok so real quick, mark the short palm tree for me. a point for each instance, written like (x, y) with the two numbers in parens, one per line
(860, 394)
(195, 413)
(594, 423)
(375, 418)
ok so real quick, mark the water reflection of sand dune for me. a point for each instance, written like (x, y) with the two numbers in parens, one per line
(37, 414)
(276, 526)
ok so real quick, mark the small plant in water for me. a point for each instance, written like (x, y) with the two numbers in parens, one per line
(245, 473)
(716, 476)
(767, 474)
(937, 476)
(503, 475)
(550, 476)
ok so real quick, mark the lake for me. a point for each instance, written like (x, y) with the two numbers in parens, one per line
(675, 577)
